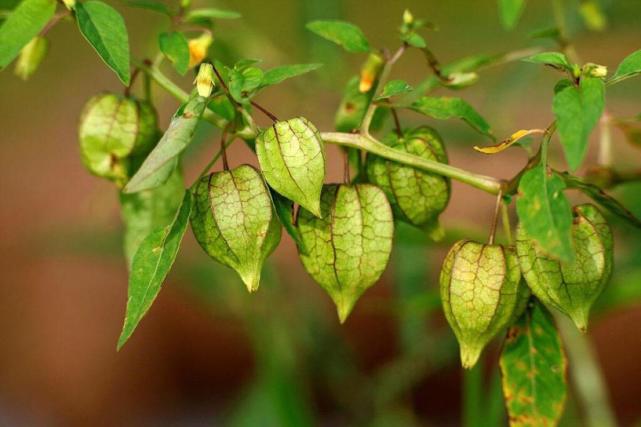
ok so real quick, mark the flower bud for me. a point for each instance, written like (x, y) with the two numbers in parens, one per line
(481, 293)
(205, 80)
(408, 18)
(198, 48)
(70, 4)
(570, 287)
(370, 71)
(31, 56)
(113, 131)
(234, 222)
(348, 248)
(417, 197)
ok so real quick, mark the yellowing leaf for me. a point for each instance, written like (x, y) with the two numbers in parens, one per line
(506, 143)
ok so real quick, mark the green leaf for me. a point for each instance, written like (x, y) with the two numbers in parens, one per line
(242, 83)
(153, 5)
(353, 106)
(146, 211)
(176, 48)
(394, 87)
(544, 212)
(414, 39)
(278, 74)
(577, 111)
(285, 210)
(345, 34)
(602, 198)
(511, 11)
(629, 67)
(533, 368)
(150, 266)
(211, 13)
(22, 25)
(553, 59)
(162, 160)
(444, 108)
(292, 158)
(105, 30)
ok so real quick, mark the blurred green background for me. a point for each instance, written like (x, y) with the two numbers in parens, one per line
(209, 353)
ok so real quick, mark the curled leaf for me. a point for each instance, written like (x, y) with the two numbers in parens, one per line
(506, 143)
(349, 246)
(292, 159)
(233, 221)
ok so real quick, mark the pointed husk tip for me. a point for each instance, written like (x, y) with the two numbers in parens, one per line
(470, 355)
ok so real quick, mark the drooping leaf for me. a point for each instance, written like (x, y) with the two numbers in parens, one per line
(284, 72)
(105, 30)
(533, 368)
(414, 39)
(150, 266)
(577, 111)
(508, 142)
(444, 108)
(629, 67)
(544, 211)
(285, 210)
(163, 159)
(352, 108)
(394, 87)
(511, 11)
(345, 34)
(292, 158)
(146, 211)
(153, 5)
(21, 26)
(176, 48)
(553, 59)
(602, 198)
(210, 13)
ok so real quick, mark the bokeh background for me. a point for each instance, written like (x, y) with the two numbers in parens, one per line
(208, 353)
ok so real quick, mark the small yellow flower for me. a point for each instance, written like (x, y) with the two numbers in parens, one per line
(198, 48)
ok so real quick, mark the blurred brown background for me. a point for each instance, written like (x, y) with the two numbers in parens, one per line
(207, 348)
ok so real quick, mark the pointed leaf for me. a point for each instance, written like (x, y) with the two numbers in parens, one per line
(176, 48)
(146, 211)
(345, 34)
(394, 87)
(602, 198)
(508, 142)
(511, 11)
(278, 74)
(553, 59)
(629, 67)
(444, 108)
(105, 30)
(544, 212)
(160, 163)
(22, 25)
(577, 111)
(533, 368)
(150, 267)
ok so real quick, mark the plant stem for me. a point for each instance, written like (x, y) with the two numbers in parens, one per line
(363, 142)
(605, 142)
(382, 78)
(473, 396)
(495, 218)
(371, 145)
(505, 220)
(589, 385)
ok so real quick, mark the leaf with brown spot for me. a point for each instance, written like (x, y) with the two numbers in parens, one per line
(533, 368)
